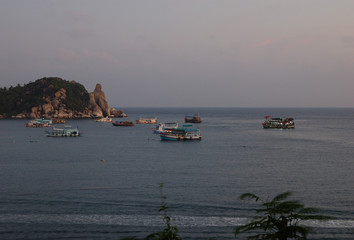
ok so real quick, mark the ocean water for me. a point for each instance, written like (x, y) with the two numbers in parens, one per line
(59, 188)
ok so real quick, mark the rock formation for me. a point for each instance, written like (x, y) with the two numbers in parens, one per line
(54, 98)
(98, 103)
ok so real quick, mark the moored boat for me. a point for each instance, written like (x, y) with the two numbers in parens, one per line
(147, 120)
(123, 123)
(67, 131)
(187, 132)
(58, 121)
(283, 123)
(193, 119)
(39, 122)
(165, 127)
(104, 119)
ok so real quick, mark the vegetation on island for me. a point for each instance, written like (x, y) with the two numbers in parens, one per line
(278, 219)
(19, 99)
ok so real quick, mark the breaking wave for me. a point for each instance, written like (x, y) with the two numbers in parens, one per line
(151, 220)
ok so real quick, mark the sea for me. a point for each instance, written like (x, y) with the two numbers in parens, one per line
(105, 184)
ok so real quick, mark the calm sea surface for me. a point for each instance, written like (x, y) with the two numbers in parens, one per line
(59, 188)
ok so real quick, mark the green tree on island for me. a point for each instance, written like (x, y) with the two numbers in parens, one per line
(279, 219)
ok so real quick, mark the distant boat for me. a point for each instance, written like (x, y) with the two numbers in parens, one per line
(147, 120)
(165, 127)
(58, 121)
(193, 119)
(67, 131)
(187, 132)
(104, 119)
(39, 122)
(123, 123)
(283, 123)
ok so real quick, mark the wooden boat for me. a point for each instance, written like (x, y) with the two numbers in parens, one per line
(123, 123)
(67, 131)
(39, 122)
(58, 121)
(165, 127)
(147, 120)
(185, 133)
(104, 119)
(193, 119)
(283, 123)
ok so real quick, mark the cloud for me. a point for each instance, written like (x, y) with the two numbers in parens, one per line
(266, 42)
(67, 55)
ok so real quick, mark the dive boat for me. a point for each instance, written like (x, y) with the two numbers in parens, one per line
(123, 123)
(283, 123)
(193, 119)
(165, 127)
(67, 131)
(147, 120)
(184, 133)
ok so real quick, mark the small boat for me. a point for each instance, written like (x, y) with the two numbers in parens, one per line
(67, 131)
(193, 119)
(58, 121)
(165, 127)
(123, 123)
(187, 132)
(104, 119)
(39, 122)
(147, 120)
(283, 123)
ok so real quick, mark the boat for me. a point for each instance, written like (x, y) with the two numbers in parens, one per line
(104, 119)
(283, 123)
(67, 131)
(193, 119)
(147, 120)
(165, 127)
(123, 123)
(39, 122)
(187, 132)
(58, 121)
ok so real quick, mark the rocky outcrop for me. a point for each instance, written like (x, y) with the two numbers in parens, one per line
(53, 98)
(98, 103)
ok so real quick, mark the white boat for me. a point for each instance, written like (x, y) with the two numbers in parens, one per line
(67, 131)
(165, 127)
(185, 133)
(104, 119)
(147, 120)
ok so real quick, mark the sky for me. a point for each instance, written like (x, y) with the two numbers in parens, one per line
(186, 53)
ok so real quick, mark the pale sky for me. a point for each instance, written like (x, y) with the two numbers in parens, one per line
(177, 53)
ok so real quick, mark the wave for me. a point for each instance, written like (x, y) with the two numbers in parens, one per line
(151, 220)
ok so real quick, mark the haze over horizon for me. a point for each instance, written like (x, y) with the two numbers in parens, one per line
(182, 53)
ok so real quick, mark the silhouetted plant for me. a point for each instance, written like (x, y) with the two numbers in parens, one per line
(170, 232)
(279, 219)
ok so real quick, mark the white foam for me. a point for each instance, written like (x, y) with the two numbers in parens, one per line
(152, 220)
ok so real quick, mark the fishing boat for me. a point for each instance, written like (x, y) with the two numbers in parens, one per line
(123, 123)
(67, 131)
(187, 132)
(104, 119)
(193, 119)
(283, 123)
(39, 122)
(58, 121)
(147, 120)
(165, 127)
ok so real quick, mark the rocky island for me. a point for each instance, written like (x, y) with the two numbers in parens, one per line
(54, 98)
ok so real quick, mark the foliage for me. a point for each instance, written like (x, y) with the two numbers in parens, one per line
(14, 100)
(170, 232)
(279, 218)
